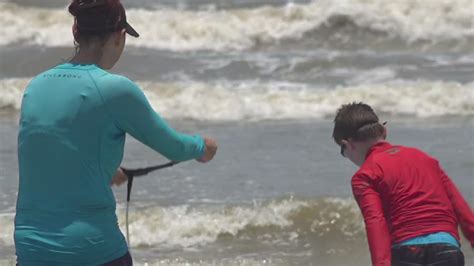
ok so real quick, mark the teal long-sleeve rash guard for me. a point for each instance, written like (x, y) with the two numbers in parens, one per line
(71, 140)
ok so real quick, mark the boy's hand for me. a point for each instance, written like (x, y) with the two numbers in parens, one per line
(211, 149)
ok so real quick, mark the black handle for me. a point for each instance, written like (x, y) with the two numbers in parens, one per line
(131, 173)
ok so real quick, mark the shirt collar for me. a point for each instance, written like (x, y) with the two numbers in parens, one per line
(378, 147)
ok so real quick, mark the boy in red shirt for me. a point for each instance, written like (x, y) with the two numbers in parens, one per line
(410, 206)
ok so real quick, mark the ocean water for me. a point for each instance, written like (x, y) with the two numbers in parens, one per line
(265, 79)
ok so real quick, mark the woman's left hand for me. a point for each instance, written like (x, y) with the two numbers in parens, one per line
(119, 178)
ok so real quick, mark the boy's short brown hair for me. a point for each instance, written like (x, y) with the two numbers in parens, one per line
(357, 121)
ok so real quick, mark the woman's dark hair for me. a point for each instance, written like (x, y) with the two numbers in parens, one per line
(356, 121)
(95, 19)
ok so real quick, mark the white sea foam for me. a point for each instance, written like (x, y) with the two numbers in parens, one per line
(277, 222)
(187, 227)
(280, 221)
(11, 91)
(251, 100)
(175, 29)
(6, 229)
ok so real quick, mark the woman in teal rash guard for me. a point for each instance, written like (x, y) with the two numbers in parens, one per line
(72, 132)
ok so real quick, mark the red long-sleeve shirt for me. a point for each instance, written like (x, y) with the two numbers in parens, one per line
(404, 193)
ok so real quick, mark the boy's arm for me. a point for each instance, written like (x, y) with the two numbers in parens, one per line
(370, 205)
(463, 212)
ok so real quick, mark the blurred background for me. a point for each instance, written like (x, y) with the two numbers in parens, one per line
(265, 78)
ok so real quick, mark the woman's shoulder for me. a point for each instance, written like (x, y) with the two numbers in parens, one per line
(116, 85)
(108, 78)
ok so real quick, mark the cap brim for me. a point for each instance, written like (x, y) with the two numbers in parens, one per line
(130, 30)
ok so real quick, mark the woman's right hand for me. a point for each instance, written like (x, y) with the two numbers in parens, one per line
(210, 151)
